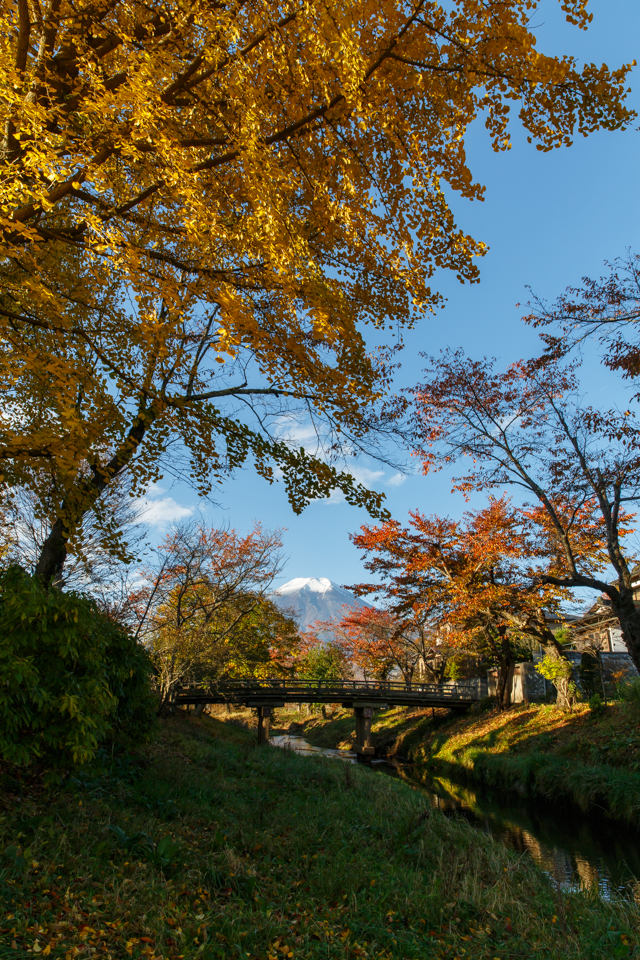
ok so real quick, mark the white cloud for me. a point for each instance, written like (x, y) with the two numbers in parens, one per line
(303, 435)
(159, 511)
(396, 480)
(154, 490)
(296, 433)
(360, 474)
(365, 476)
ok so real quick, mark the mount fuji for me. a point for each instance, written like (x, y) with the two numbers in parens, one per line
(315, 598)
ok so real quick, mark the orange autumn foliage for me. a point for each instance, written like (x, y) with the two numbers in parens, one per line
(528, 427)
(204, 611)
(474, 580)
(204, 205)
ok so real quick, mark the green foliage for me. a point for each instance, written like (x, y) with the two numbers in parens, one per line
(163, 854)
(552, 668)
(324, 662)
(630, 692)
(454, 669)
(262, 642)
(596, 704)
(564, 636)
(71, 677)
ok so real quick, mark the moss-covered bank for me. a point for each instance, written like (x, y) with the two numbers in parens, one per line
(590, 759)
(207, 846)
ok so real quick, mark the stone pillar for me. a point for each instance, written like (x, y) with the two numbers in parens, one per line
(364, 748)
(264, 722)
(199, 710)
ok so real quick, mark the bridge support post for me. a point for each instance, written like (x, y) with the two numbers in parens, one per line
(264, 722)
(364, 749)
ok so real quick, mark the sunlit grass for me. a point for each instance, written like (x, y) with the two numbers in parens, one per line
(592, 760)
(209, 846)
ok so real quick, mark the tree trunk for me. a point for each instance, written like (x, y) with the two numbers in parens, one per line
(629, 619)
(52, 556)
(506, 667)
(54, 549)
(506, 663)
(164, 705)
(167, 696)
(563, 684)
(536, 627)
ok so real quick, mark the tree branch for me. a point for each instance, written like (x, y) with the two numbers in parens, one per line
(579, 580)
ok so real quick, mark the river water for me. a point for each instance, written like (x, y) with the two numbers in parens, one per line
(577, 850)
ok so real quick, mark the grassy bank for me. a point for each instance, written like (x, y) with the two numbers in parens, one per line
(209, 846)
(394, 732)
(591, 760)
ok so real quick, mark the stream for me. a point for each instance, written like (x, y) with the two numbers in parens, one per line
(578, 850)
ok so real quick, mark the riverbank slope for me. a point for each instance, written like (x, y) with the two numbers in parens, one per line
(205, 845)
(591, 759)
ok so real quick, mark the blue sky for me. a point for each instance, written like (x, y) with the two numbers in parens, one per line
(549, 219)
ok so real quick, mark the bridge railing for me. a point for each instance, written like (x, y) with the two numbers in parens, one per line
(343, 689)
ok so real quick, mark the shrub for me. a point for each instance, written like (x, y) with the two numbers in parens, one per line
(559, 671)
(590, 673)
(481, 706)
(596, 704)
(554, 668)
(324, 662)
(629, 691)
(70, 677)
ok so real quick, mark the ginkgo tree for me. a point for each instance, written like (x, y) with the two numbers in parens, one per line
(203, 205)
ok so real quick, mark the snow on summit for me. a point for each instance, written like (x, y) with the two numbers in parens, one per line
(315, 584)
(315, 598)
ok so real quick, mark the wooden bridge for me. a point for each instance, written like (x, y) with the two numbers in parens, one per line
(363, 696)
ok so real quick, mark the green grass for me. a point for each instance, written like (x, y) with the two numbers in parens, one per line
(590, 760)
(395, 731)
(550, 777)
(208, 846)
(538, 751)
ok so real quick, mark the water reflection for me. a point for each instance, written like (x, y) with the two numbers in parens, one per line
(300, 745)
(577, 850)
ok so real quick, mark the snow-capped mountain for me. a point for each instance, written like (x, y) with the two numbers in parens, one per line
(315, 598)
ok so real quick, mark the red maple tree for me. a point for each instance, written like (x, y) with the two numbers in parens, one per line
(526, 427)
(471, 581)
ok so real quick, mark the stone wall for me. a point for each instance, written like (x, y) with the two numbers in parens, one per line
(528, 685)
(614, 664)
(477, 685)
